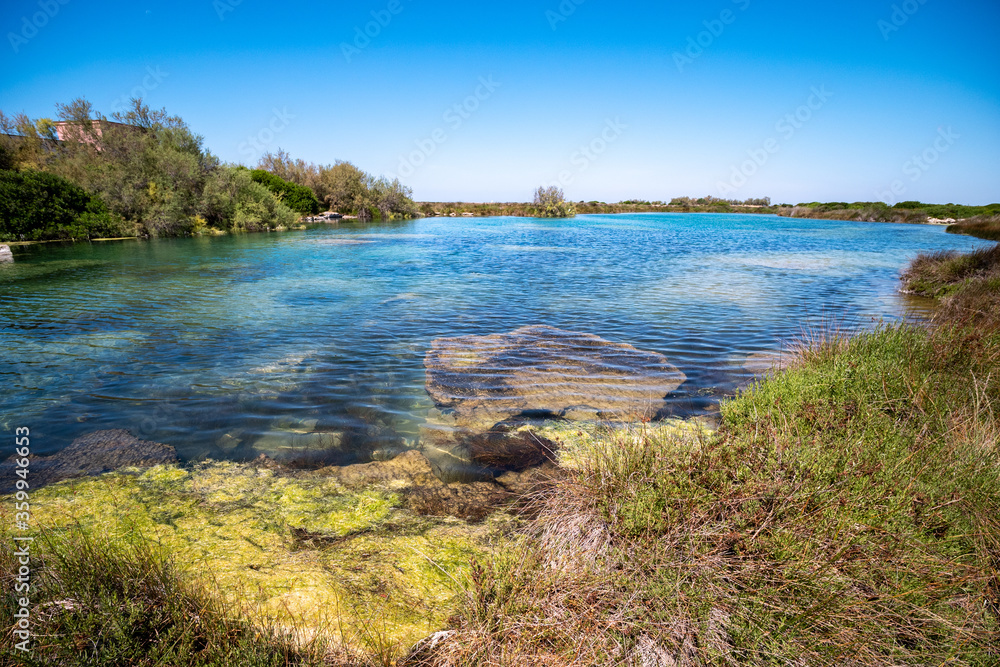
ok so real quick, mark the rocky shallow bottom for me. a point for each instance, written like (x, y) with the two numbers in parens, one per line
(331, 549)
(321, 551)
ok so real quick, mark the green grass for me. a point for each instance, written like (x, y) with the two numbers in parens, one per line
(848, 512)
(95, 602)
(945, 273)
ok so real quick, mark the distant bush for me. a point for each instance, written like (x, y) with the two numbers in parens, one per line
(299, 198)
(37, 206)
(551, 203)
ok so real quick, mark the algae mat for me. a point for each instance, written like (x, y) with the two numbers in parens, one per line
(305, 553)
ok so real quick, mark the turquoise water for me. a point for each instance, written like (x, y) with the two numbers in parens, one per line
(209, 344)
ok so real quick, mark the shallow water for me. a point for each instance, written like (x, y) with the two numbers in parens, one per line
(187, 341)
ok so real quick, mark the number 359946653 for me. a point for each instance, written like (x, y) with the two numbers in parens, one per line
(21, 470)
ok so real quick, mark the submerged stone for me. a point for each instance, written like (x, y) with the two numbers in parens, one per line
(486, 379)
(96, 453)
(488, 389)
(412, 476)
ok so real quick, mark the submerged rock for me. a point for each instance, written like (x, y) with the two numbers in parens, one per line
(5, 254)
(487, 379)
(96, 453)
(302, 444)
(488, 389)
(412, 476)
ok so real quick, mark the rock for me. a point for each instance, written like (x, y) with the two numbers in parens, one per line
(298, 448)
(94, 454)
(412, 476)
(510, 445)
(404, 471)
(5, 254)
(768, 363)
(228, 443)
(581, 413)
(541, 369)
(486, 389)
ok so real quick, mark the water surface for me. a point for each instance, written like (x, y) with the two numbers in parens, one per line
(193, 341)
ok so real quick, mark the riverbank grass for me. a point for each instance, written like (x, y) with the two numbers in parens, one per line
(102, 602)
(848, 512)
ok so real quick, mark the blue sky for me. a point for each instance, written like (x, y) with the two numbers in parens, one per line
(738, 98)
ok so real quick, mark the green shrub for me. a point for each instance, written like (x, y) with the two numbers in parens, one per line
(299, 198)
(36, 206)
(234, 201)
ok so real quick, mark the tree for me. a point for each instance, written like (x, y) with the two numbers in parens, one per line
(551, 203)
(36, 206)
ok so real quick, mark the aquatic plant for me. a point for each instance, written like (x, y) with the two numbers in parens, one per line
(300, 555)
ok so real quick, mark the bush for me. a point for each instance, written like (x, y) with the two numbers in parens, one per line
(36, 206)
(551, 203)
(299, 198)
(234, 201)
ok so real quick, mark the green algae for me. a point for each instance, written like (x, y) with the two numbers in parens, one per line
(303, 552)
(578, 442)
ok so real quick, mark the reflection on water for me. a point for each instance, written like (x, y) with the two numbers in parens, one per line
(309, 346)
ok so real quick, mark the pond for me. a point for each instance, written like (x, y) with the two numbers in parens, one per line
(224, 346)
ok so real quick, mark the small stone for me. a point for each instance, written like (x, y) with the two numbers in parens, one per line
(228, 443)
(96, 453)
(5, 254)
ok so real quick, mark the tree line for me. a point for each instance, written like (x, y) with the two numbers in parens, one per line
(143, 172)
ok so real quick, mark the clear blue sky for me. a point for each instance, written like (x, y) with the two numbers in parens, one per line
(660, 117)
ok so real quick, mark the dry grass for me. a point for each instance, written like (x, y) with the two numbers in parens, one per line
(984, 227)
(847, 514)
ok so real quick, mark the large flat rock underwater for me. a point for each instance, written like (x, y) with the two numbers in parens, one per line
(491, 392)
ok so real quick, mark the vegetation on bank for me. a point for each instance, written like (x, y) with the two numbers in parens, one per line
(983, 227)
(261, 562)
(35, 206)
(123, 604)
(299, 198)
(154, 177)
(845, 514)
(550, 202)
(968, 284)
(977, 220)
(344, 188)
